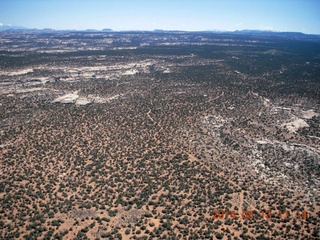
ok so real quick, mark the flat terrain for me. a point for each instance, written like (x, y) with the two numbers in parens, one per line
(141, 135)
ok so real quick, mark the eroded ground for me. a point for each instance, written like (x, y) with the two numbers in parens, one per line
(141, 136)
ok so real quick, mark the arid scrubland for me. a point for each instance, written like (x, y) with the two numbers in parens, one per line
(147, 135)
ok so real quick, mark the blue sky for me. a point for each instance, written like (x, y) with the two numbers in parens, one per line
(276, 15)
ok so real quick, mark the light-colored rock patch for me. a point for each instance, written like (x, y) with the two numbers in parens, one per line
(294, 125)
(21, 72)
(68, 98)
(83, 101)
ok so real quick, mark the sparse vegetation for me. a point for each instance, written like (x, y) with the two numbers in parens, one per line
(155, 132)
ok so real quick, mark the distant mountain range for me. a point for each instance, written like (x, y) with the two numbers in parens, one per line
(271, 33)
(7, 27)
(4, 27)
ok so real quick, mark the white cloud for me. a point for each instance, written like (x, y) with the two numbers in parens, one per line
(2, 24)
(239, 24)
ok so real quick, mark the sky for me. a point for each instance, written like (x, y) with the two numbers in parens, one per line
(191, 15)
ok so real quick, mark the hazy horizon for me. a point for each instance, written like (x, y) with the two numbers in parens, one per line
(230, 15)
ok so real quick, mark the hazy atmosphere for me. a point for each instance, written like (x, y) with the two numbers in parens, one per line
(275, 15)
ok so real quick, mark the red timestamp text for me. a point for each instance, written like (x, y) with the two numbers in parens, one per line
(263, 214)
